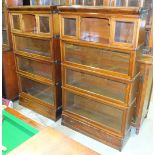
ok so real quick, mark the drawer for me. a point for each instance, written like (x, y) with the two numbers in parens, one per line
(35, 46)
(100, 59)
(43, 109)
(38, 90)
(97, 112)
(99, 86)
(92, 131)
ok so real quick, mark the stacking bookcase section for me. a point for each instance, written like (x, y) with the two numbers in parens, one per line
(37, 52)
(118, 91)
(100, 49)
(119, 63)
(112, 27)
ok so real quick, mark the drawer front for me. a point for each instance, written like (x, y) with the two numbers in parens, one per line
(34, 67)
(108, 116)
(98, 58)
(39, 47)
(92, 131)
(106, 88)
(42, 92)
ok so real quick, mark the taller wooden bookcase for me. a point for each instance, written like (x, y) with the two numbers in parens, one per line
(9, 77)
(100, 49)
(35, 32)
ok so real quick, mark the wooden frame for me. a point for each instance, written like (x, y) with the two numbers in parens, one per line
(24, 118)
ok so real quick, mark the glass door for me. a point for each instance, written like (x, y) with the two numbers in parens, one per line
(16, 22)
(69, 27)
(124, 32)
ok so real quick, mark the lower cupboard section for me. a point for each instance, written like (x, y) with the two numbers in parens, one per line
(42, 109)
(98, 119)
(94, 132)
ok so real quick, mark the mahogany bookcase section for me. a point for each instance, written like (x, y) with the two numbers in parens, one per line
(100, 52)
(37, 52)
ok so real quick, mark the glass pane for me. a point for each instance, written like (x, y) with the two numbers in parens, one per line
(89, 2)
(96, 84)
(99, 31)
(16, 22)
(79, 2)
(44, 24)
(34, 67)
(4, 37)
(133, 2)
(124, 31)
(32, 45)
(96, 111)
(99, 2)
(120, 2)
(29, 22)
(70, 26)
(37, 90)
(98, 58)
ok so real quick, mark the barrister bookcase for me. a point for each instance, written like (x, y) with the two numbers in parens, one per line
(9, 77)
(35, 31)
(101, 48)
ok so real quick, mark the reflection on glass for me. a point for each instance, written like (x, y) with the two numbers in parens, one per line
(33, 45)
(96, 84)
(44, 24)
(97, 58)
(37, 90)
(124, 31)
(34, 67)
(96, 111)
(99, 31)
(70, 26)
